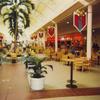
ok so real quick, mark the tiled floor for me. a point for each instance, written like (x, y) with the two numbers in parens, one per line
(61, 74)
(14, 84)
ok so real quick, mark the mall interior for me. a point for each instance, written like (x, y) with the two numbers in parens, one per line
(49, 50)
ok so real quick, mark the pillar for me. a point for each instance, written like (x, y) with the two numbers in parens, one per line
(44, 39)
(56, 37)
(89, 32)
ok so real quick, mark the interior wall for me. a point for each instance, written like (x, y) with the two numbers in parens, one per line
(65, 28)
(96, 36)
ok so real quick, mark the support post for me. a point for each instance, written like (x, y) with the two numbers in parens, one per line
(56, 37)
(44, 39)
(89, 32)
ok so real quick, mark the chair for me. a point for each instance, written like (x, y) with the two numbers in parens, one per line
(64, 58)
(87, 64)
(78, 64)
(59, 56)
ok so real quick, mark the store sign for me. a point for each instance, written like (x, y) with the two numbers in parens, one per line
(79, 21)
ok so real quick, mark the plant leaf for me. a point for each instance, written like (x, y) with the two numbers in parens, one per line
(49, 66)
(44, 71)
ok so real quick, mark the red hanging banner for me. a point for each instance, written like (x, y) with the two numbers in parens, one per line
(51, 30)
(35, 37)
(79, 20)
(40, 34)
(1, 37)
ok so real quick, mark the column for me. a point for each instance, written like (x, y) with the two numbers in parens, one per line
(89, 32)
(44, 39)
(56, 37)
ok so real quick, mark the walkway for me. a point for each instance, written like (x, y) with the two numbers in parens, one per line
(14, 84)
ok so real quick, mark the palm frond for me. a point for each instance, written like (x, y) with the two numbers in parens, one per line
(10, 23)
(28, 4)
(6, 19)
(26, 16)
(41, 60)
(22, 19)
(49, 66)
(5, 3)
(5, 14)
(20, 31)
(27, 7)
(44, 71)
(11, 33)
(42, 67)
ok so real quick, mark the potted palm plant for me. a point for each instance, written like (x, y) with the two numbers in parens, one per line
(17, 14)
(38, 74)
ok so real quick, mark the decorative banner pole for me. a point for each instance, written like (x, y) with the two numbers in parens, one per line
(79, 20)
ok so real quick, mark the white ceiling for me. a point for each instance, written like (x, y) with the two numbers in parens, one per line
(44, 12)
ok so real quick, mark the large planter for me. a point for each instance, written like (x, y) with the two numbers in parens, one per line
(29, 71)
(37, 83)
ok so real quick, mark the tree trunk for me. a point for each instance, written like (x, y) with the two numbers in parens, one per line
(16, 34)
